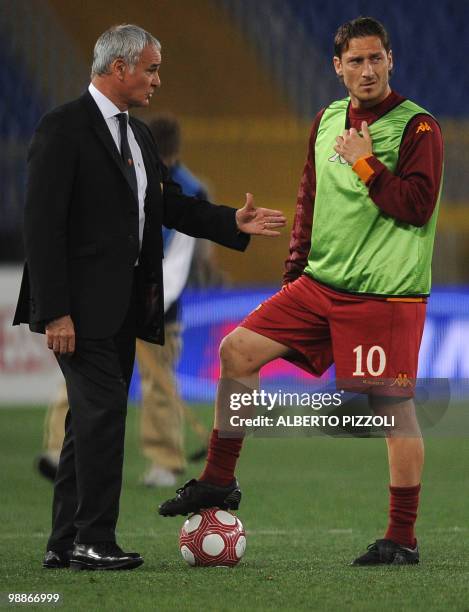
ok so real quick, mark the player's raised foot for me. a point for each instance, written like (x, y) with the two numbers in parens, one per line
(197, 494)
(387, 552)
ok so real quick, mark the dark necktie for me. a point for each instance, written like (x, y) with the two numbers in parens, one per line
(126, 154)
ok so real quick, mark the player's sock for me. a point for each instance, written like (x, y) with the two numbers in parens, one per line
(222, 456)
(403, 504)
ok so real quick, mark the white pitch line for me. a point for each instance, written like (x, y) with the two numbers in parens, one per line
(249, 532)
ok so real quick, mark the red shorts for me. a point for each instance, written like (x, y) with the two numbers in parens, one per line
(373, 342)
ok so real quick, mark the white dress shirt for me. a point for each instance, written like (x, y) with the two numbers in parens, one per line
(109, 111)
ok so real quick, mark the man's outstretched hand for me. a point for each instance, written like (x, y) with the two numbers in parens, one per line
(60, 335)
(259, 221)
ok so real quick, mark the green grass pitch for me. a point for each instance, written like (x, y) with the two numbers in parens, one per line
(310, 506)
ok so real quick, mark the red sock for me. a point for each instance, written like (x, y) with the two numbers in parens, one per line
(222, 456)
(403, 504)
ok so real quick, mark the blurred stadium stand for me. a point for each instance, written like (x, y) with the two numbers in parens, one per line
(245, 78)
(39, 70)
(295, 39)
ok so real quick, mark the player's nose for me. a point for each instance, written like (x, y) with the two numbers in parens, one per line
(367, 69)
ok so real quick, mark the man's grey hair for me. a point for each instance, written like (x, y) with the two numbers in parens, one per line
(123, 41)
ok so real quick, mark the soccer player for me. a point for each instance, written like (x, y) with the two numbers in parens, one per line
(355, 282)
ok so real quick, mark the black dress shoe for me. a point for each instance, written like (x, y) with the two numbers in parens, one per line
(103, 556)
(56, 560)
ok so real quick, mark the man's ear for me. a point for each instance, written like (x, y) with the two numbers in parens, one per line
(118, 68)
(338, 66)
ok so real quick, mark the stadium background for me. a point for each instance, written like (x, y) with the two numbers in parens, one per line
(245, 78)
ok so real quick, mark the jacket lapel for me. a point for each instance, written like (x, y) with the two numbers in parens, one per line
(153, 186)
(104, 135)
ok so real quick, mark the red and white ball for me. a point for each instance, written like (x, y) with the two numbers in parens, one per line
(212, 537)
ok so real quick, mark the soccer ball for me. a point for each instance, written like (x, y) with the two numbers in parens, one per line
(212, 537)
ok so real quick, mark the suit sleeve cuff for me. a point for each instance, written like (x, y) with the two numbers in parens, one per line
(242, 241)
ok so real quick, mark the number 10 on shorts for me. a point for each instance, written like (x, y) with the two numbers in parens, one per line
(370, 358)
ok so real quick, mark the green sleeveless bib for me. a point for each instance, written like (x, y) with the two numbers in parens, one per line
(356, 247)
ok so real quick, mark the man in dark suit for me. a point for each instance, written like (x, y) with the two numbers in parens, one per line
(97, 197)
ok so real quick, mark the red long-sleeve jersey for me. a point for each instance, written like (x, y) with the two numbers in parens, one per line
(409, 195)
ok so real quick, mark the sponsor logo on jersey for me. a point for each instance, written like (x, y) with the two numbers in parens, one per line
(402, 380)
(423, 127)
(337, 158)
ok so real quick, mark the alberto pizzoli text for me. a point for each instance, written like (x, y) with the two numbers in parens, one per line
(313, 420)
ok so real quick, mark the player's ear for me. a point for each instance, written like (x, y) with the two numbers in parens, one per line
(390, 60)
(338, 66)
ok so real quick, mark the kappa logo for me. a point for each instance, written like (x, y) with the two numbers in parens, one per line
(403, 380)
(337, 158)
(423, 127)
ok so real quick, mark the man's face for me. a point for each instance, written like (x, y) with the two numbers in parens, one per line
(365, 68)
(138, 84)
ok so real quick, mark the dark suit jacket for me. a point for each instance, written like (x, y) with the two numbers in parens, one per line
(81, 226)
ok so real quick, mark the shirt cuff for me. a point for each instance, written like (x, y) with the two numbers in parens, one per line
(363, 168)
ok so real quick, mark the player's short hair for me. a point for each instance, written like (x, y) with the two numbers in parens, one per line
(125, 41)
(358, 28)
(167, 134)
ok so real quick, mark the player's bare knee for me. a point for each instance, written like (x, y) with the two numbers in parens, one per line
(228, 355)
(234, 356)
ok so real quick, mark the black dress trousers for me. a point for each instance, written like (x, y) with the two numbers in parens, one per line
(89, 476)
